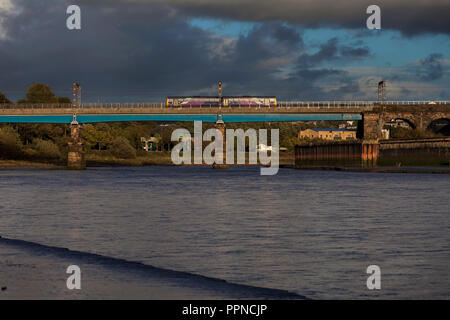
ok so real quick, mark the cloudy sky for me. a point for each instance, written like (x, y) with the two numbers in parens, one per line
(144, 50)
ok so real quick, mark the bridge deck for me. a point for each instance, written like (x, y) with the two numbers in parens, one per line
(153, 112)
(196, 110)
(205, 114)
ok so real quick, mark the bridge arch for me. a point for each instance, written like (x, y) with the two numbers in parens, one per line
(440, 125)
(411, 122)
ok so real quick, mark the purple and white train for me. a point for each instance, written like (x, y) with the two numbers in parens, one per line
(226, 101)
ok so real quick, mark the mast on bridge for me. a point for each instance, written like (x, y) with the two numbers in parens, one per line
(76, 155)
(382, 91)
(76, 100)
(220, 125)
(220, 95)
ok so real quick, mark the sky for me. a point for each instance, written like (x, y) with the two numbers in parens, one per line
(145, 50)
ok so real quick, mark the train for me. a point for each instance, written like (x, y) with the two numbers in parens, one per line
(226, 101)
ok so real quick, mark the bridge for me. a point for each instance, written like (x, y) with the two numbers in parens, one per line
(372, 115)
(108, 112)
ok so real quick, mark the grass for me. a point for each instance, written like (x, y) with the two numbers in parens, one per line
(154, 158)
(28, 164)
(104, 158)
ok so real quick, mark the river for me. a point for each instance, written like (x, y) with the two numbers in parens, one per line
(309, 232)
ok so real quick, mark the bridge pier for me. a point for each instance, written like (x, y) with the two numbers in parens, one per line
(76, 156)
(372, 125)
(370, 151)
(220, 125)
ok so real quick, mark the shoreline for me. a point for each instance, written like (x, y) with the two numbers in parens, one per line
(405, 169)
(22, 164)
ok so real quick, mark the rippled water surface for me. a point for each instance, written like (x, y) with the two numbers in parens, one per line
(310, 232)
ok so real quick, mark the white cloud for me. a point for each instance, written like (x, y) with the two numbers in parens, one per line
(6, 9)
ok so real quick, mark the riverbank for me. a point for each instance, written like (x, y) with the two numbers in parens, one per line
(152, 159)
(98, 160)
(7, 164)
(432, 170)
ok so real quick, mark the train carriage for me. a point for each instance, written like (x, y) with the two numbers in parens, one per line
(248, 101)
(192, 101)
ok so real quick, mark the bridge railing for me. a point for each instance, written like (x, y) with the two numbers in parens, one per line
(412, 102)
(83, 105)
(280, 104)
(325, 104)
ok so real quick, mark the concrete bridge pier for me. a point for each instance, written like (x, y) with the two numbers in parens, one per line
(76, 156)
(220, 125)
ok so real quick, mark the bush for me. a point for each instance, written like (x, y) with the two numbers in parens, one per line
(10, 145)
(121, 148)
(46, 149)
(407, 133)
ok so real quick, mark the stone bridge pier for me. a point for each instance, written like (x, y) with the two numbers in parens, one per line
(76, 155)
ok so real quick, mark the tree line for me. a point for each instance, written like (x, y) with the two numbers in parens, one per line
(37, 93)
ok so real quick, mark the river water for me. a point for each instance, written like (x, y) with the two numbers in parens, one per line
(310, 232)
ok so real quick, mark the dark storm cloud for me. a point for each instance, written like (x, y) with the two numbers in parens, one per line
(409, 17)
(431, 67)
(143, 52)
(135, 49)
(332, 51)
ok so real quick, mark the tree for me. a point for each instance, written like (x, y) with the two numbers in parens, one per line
(40, 93)
(99, 136)
(10, 144)
(121, 148)
(64, 100)
(3, 98)
(46, 149)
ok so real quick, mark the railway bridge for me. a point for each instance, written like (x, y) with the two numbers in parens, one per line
(371, 115)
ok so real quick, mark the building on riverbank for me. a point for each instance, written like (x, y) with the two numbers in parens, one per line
(150, 143)
(328, 134)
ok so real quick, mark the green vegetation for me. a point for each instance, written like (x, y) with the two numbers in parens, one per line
(4, 99)
(10, 144)
(12, 147)
(122, 149)
(39, 93)
(111, 141)
(408, 133)
(46, 149)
